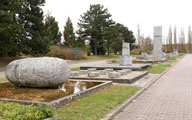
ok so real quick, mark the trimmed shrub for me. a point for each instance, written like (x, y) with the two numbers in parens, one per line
(15, 111)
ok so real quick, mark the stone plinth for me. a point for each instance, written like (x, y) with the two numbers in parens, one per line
(114, 74)
(93, 74)
(103, 72)
(157, 44)
(75, 73)
(125, 59)
(144, 55)
(109, 70)
(83, 72)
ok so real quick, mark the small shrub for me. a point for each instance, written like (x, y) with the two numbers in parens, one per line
(66, 53)
(15, 111)
(136, 51)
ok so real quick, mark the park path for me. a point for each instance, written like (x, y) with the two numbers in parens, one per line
(87, 63)
(170, 98)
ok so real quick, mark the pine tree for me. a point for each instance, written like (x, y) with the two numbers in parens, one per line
(94, 24)
(35, 38)
(69, 34)
(53, 30)
(10, 26)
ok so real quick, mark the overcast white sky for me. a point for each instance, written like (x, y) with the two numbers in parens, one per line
(146, 13)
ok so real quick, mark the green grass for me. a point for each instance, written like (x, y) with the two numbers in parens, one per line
(181, 55)
(3, 79)
(75, 69)
(158, 69)
(102, 57)
(97, 105)
(172, 61)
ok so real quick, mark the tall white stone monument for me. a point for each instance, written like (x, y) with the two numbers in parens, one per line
(157, 44)
(126, 59)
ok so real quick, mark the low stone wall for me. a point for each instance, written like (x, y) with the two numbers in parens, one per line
(116, 80)
(64, 100)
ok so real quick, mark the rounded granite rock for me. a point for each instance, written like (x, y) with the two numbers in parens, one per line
(38, 72)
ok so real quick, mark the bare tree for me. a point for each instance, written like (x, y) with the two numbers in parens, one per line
(182, 40)
(170, 39)
(138, 34)
(189, 39)
(175, 38)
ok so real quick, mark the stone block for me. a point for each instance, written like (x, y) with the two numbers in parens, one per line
(103, 72)
(38, 72)
(114, 74)
(157, 44)
(126, 49)
(93, 74)
(128, 70)
(157, 31)
(82, 72)
(75, 73)
(122, 72)
(125, 60)
(109, 70)
(144, 55)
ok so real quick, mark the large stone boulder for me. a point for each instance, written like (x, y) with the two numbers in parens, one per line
(38, 72)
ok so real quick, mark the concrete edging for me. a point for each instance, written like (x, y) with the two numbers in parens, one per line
(118, 109)
(116, 80)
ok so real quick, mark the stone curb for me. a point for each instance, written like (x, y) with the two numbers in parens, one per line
(118, 109)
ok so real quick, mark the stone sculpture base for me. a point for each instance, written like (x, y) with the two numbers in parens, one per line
(125, 60)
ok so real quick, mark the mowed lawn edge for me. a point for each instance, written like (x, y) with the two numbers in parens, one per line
(97, 105)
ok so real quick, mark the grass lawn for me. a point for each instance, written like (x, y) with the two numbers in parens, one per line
(75, 69)
(172, 61)
(97, 105)
(3, 79)
(101, 57)
(181, 55)
(158, 68)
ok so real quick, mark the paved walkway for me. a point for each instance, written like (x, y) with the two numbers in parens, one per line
(170, 98)
(87, 63)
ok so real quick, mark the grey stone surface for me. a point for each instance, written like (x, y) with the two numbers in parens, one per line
(122, 72)
(38, 72)
(83, 72)
(144, 55)
(114, 74)
(157, 44)
(92, 69)
(126, 49)
(172, 55)
(109, 70)
(125, 59)
(93, 74)
(75, 73)
(127, 71)
(103, 72)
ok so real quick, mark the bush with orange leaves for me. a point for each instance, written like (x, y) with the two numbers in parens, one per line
(66, 53)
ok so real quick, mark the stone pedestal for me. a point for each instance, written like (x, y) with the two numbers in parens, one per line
(125, 59)
(157, 44)
(144, 55)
